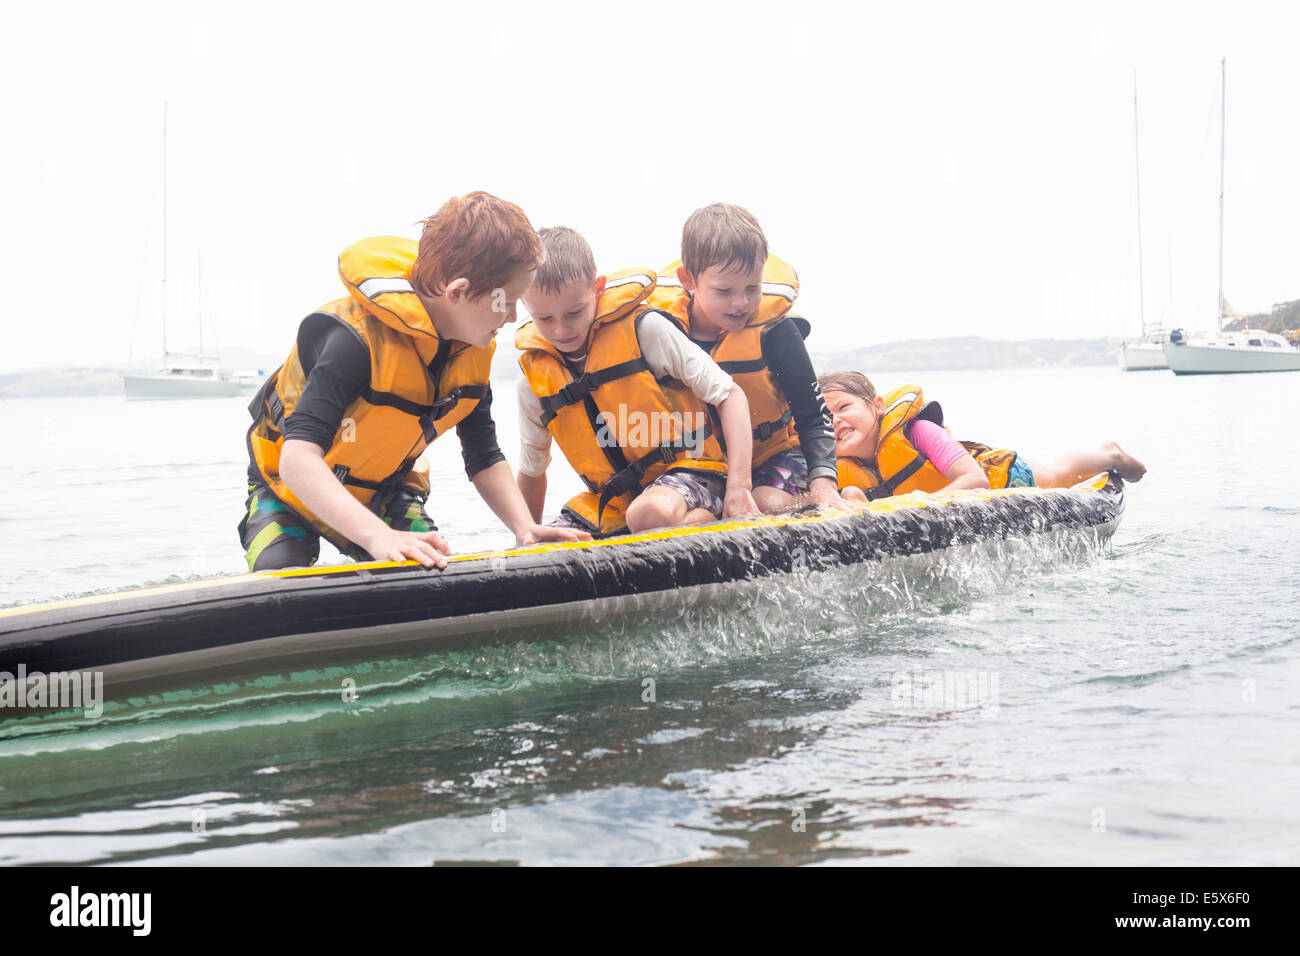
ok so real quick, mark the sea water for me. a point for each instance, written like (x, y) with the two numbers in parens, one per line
(1043, 701)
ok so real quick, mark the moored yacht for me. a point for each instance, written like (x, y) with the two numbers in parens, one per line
(183, 375)
(193, 379)
(1146, 354)
(1248, 351)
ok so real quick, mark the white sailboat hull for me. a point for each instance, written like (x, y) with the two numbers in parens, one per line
(1197, 359)
(178, 386)
(1141, 357)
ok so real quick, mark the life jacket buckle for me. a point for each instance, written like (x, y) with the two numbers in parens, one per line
(575, 391)
(767, 429)
(444, 405)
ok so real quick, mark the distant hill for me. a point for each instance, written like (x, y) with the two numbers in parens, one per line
(58, 383)
(969, 352)
(966, 352)
(1284, 315)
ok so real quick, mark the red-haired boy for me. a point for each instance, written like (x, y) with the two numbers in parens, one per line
(374, 378)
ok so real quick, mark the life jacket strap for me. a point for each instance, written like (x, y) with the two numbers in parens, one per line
(444, 406)
(585, 384)
(276, 409)
(437, 410)
(767, 429)
(739, 367)
(343, 475)
(383, 490)
(390, 400)
(887, 485)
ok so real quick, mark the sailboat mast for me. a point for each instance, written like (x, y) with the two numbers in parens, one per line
(1137, 162)
(164, 235)
(1223, 126)
(202, 354)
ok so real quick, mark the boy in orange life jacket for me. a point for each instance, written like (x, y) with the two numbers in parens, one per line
(738, 312)
(622, 391)
(918, 454)
(340, 428)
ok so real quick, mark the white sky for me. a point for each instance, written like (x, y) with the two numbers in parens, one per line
(929, 169)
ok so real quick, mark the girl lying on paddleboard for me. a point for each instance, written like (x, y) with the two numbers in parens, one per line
(896, 443)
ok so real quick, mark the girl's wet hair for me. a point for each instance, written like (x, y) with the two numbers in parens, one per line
(854, 383)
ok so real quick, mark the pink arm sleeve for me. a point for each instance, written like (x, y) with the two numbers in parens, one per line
(937, 444)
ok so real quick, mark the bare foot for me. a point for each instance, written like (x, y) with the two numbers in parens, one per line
(1128, 467)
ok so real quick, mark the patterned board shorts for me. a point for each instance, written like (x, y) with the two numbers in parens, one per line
(1019, 474)
(785, 471)
(699, 490)
(274, 536)
(566, 519)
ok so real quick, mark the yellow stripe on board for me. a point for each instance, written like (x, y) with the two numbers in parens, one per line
(882, 506)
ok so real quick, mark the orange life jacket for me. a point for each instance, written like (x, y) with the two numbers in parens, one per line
(899, 467)
(740, 354)
(619, 427)
(403, 409)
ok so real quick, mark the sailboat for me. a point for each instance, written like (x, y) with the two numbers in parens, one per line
(183, 374)
(1148, 352)
(1248, 350)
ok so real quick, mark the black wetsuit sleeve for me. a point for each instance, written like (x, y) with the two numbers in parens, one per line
(787, 357)
(478, 438)
(336, 363)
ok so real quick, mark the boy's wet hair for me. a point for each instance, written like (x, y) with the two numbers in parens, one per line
(477, 237)
(854, 383)
(723, 235)
(568, 259)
